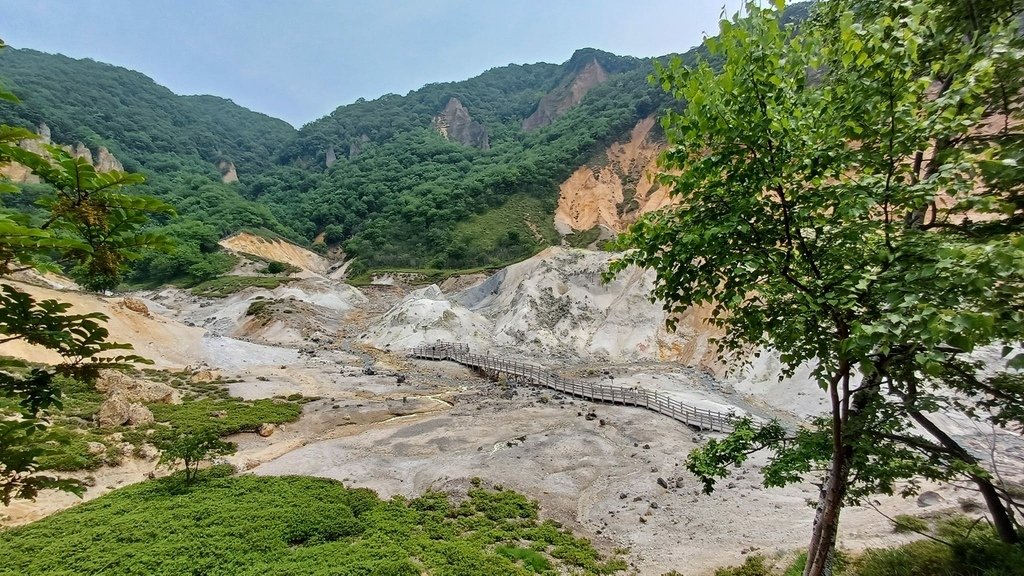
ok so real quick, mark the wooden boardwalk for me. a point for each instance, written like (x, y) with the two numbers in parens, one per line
(527, 373)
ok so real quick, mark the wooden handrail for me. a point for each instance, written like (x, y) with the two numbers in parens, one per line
(632, 396)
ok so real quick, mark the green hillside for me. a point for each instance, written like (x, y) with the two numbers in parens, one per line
(375, 177)
(400, 200)
(133, 116)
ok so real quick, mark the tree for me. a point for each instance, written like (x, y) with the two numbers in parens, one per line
(93, 226)
(191, 447)
(838, 203)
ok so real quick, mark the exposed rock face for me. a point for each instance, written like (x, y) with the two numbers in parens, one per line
(130, 389)
(455, 123)
(135, 305)
(80, 150)
(105, 161)
(356, 148)
(615, 195)
(553, 305)
(44, 133)
(566, 95)
(424, 316)
(227, 171)
(117, 410)
(277, 249)
(330, 156)
(102, 160)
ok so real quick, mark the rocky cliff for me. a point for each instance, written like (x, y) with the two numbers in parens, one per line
(456, 124)
(616, 193)
(102, 159)
(228, 174)
(566, 95)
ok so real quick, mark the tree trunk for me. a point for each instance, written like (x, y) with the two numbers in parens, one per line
(821, 551)
(996, 507)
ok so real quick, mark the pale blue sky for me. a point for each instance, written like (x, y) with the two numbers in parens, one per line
(300, 59)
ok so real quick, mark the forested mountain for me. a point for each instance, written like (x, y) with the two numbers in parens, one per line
(133, 116)
(399, 193)
(452, 175)
(176, 141)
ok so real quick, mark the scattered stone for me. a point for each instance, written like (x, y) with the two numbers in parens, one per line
(969, 505)
(117, 410)
(591, 416)
(265, 430)
(655, 505)
(662, 483)
(647, 446)
(368, 371)
(207, 376)
(132, 389)
(622, 496)
(95, 448)
(149, 452)
(929, 498)
(400, 379)
(643, 520)
(135, 305)
(219, 414)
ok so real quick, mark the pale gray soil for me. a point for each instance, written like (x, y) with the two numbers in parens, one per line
(402, 426)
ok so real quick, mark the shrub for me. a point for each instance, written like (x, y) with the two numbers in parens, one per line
(908, 523)
(531, 558)
(752, 566)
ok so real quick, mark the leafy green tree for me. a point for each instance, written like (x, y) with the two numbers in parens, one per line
(841, 202)
(191, 447)
(90, 225)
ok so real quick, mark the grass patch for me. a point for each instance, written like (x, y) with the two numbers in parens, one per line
(425, 276)
(907, 523)
(228, 285)
(969, 548)
(66, 441)
(519, 227)
(294, 525)
(226, 415)
(532, 559)
(584, 238)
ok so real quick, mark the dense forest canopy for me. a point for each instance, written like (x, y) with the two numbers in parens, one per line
(375, 177)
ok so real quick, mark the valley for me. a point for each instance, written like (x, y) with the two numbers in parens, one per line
(219, 330)
(378, 419)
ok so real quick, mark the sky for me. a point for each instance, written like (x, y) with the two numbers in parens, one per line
(300, 59)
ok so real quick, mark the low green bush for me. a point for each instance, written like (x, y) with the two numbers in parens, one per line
(227, 285)
(908, 523)
(532, 559)
(251, 525)
(753, 566)
(226, 416)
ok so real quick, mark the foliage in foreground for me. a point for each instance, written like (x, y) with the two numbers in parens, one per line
(92, 226)
(961, 547)
(841, 202)
(295, 525)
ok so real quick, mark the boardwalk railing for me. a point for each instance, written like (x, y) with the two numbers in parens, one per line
(626, 396)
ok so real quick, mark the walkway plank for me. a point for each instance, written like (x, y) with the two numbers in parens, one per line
(531, 374)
